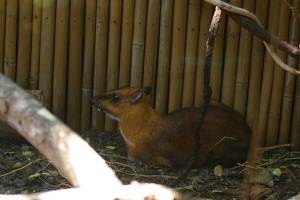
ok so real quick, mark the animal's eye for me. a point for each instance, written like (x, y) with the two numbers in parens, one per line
(115, 98)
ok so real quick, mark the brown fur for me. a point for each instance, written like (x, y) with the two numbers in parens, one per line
(168, 140)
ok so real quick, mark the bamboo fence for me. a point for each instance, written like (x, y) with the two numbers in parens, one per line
(75, 49)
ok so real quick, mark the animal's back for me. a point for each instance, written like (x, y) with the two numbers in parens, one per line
(224, 136)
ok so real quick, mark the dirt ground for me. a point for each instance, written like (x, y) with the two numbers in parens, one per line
(24, 170)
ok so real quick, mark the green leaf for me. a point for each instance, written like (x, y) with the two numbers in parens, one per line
(32, 176)
(217, 191)
(277, 172)
(27, 153)
(17, 165)
(88, 140)
(111, 147)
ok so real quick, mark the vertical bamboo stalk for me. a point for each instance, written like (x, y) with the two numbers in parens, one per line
(289, 84)
(152, 33)
(126, 42)
(217, 61)
(138, 45)
(35, 46)
(279, 73)
(257, 57)
(295, 133)
(2, 34)
(242, 78)
(10, 55)
(100, 64)
(165, 36)
(88, 63)
(177, 54)
(113, 52)
(267, 79)
(47, 50)
(61, 59)
(206, 13)
(75, 64)
(24, 43)
(230, 61)
(191, 53)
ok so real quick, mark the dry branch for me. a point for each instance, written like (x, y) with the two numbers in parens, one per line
(69, 153)
(78, 163)
(250, 22)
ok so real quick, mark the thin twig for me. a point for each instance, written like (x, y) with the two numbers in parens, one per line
(206, 94)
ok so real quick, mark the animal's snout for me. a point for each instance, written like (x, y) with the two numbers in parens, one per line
(94, 100)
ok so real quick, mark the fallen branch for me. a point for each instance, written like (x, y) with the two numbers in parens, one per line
(68, 152)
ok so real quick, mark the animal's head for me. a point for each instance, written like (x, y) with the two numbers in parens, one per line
(118, 102)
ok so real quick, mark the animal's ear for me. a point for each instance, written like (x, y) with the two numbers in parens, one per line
(136, 96)
(147, 90)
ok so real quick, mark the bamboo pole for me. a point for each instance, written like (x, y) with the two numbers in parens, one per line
(10, 55)
(177, 54)
(151, 49)
(2, 34)
(88, 64)
(35, 46)
(138, 45)
(61, 59)
(289, 84)
(114, 39)
(267, 78)
(126, 42)
(257, 57)
(47, 50)
(217, 61)
(24, 43)
(230, 59)
(75, 64)
(100, 64)
(295, 133)
(190, 65)
(279, 74)
(206, 13)
(164, 50)
(242, 78)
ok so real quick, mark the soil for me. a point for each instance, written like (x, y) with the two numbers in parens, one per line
(24, 170)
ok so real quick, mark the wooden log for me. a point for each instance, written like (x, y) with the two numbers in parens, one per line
(278, 83)
(193, 26)
(164, 49)
(267, 78)
(60, 75)
(295, 132)
(115, 23)
(100, 63)
(138, 43)
(230, 59)
(35, 46)
(88, 64)
(75, 64)
(2, 33)
(242, 78)
(9, 134)
(47, 52)
(256, 68)
(288, 100)
(63, 147)
(177, 54)
(126, 42)
(24, 43)
(151, 49)
(10, 55)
